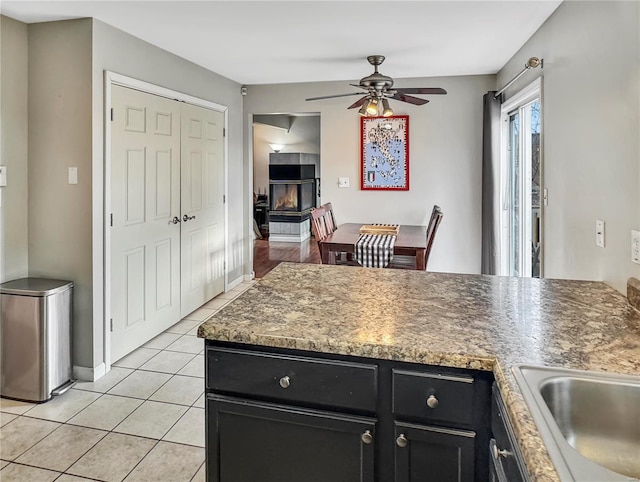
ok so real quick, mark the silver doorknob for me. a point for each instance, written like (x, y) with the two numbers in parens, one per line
(432, 401)
(175, 220)
(285, 382)
(402, 441)
(186, 217)
(366, 437)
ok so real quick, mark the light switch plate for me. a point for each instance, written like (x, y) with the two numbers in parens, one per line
(635, 246)
(73, 175)
(600, 233)
(3, 176)
(343, 182)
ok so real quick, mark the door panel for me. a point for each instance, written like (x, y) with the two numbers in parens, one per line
(434, 453)
(202, 251)
(254, 441)
(145, 196)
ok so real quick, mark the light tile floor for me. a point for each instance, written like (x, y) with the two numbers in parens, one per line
(142, 421)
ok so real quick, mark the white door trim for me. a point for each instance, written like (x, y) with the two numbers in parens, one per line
(528, 94)
(113, 78)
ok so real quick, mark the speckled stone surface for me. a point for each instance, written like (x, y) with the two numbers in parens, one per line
(633, 292)
(466, 321)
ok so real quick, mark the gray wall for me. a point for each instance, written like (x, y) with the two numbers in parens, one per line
(66, 125)
(304, 136)
(591, 132)
(119, 52)
(14, 149)
(445, 159)
(60, 137)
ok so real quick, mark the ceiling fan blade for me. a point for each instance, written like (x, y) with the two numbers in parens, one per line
(358, 103)
(359, 86)
(332, 96)
(421, 90)
(409, 98)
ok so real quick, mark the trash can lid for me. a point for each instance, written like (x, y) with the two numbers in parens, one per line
(34, 286)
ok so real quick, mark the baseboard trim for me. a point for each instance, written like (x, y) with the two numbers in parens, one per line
(88, 374)
(234, 283)
(249, 277)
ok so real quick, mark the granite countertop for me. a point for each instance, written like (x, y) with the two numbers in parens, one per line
(466, 321)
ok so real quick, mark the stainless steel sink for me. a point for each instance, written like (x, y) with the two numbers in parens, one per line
(589, 421)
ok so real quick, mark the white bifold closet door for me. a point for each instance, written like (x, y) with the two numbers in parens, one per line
(202, 230)
(166, 163)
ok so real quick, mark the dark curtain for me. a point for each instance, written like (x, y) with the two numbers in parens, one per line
(490, 183)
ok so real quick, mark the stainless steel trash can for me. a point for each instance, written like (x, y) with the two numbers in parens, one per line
(36, 338)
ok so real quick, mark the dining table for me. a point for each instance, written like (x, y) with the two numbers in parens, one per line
(411, 241)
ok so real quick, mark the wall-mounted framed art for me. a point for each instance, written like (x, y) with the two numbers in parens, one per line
(384, 153)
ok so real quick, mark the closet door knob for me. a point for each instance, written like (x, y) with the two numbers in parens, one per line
(175, 220)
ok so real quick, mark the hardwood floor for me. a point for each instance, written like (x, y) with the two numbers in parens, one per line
(267, 256)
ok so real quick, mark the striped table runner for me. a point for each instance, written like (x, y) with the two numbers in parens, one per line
(374, 250)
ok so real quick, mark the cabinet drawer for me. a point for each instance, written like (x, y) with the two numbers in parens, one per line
(433, 397)
(292, 378)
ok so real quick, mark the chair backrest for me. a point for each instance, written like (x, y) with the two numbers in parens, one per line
(331, 218)
(319, 225)
(434, 223)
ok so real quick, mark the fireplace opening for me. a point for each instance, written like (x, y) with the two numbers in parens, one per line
(286, 197)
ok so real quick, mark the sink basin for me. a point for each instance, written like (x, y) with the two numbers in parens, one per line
(589, 421)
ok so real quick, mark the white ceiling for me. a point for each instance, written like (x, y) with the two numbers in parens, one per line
(264, 42)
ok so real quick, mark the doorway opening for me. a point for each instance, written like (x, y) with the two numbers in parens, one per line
(288, 141)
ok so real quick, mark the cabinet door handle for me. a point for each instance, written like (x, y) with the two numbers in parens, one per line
(366, 437)
(499, 453)
(432, 401)
(285, 382)
(402, 441)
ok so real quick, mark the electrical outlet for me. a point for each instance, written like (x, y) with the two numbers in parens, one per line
(635, 246)
(600, 233)
(343, 182)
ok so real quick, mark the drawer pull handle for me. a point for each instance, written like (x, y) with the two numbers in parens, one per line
(285, 382)
(432, 401)
(499, 453)
(367, 438)
(402, 441)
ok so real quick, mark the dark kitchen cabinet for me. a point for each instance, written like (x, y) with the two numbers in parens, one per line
(432, 453)
(280, 415)
(506, 461)
(253, 441)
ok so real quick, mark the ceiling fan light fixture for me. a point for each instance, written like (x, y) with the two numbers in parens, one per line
(386, 109)
(363, 109)
(372, 107)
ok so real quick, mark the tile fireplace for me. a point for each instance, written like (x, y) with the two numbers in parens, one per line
(292, 196)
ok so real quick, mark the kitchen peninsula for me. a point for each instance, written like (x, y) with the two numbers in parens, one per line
(483, 325)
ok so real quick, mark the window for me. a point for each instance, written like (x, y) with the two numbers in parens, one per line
(521, 214)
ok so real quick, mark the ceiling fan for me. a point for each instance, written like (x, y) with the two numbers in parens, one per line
(379, 89)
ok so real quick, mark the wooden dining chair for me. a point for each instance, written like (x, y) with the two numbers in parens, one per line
(332, 225)
(332, 218)
(322, 225)
(319, 226)
(409, 262)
